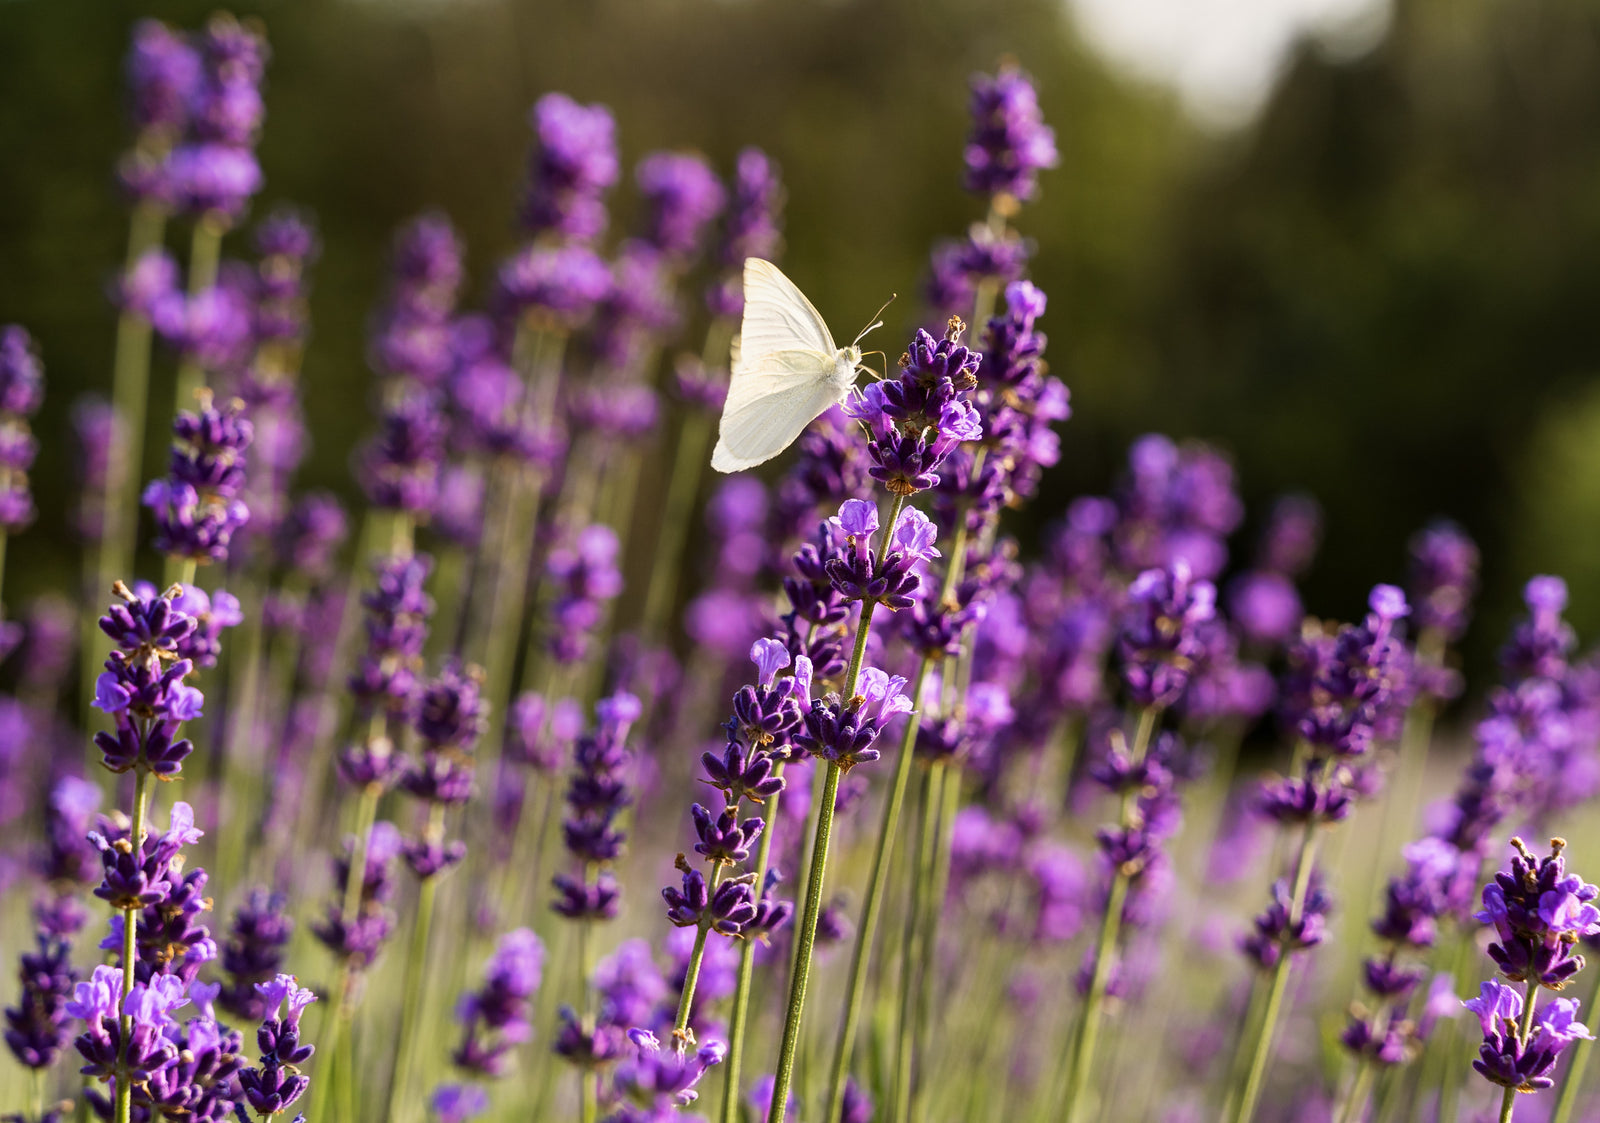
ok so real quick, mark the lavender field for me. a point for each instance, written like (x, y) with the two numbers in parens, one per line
(563, 777)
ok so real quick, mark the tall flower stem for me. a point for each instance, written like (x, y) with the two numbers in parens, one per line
(416, 962)
(807, 938)
(1572, 1080)
(691, 978)
(130, 929)
(688, 467)
(205, 251)
(1508, 1102)
(130, 387)
(588, 1098)
(877, 880)
(933, 903)
(921, 882)
(1262, 1048)
(1105, 953)
(738, 1025)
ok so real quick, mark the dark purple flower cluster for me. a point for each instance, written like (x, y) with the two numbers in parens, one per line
(451, 714)
(1176, 502)
(357, 939)
(1160, 640)
(197, 507)
(398, 608)
(573, 164)
(681, 196)
(586, 579)
(400, 467)
(1539, 912)
(960, 269)
(38, 1026)
(1010, 142)
(860, 573)
(1281, 929)
(762, 734)
(844, 731)
(597, 794)
(496, 1019)
(751, 229)
(1342, 691)
(1413, 903)
(277, 1082)
(142, 686)
(914, 422)
(68, 861)
(253, 952)
(21, 392)
(308, 539)
(170, 937)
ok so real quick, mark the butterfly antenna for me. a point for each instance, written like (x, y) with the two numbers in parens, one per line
(876, 323)
(876, 374)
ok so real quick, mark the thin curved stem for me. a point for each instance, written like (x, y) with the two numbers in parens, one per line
(739, 1023)
(416, 961)
(807, 942)
(1105, 952)
(1280, 981)
(910, 959)
(1508, 1102)
(691, 978)
(877, 880)
(130, 930)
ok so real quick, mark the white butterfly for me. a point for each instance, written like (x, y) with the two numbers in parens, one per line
(786, 371)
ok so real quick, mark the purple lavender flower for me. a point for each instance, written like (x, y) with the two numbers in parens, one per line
(457, 1103)
(1506, 1057)
(560, 284)
(252, 954)
(587, 578)
(401, 465)
(844, 730)
(162, 70)
(1539, 913)
(21, 391)
(596, 796)
(496, 1018)
(681, 196)
(277, 1082)
(655, 1082)
(1160, 642)
(1444, 577)
(357, 939)
(37, 1027)
(572, 166)
(398, 608)
(142, 686)
(197, 507)
(99, 450)
(1010, 142)
(751, 229)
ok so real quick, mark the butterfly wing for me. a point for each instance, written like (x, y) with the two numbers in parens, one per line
(772, 407)
(777, 318)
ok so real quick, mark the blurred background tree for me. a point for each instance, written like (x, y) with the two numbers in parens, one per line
(1377, 291)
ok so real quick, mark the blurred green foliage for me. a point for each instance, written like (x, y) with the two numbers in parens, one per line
(1379, 293)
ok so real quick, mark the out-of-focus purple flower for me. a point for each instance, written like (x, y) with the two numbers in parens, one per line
(596, 796)
(750, 230)
(1266, 606)
(573, 164)
(587, 579)
(495, 1019)
(310, 536)
(398, 608)
(1443, 579)
(1010, 143)
(1160, 641)
(558, 283)
(681, 196)
(458, 1103)
(253, 953)
(356, 940)
(37, 1027)
(162, 70)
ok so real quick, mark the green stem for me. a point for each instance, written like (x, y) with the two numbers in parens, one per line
(1105, 951)
(205, 251)
(687, 469)
(1509, 1100)
(808, 932)
(691, 979)
(921, 876)
(741, 996)
(1280, 981)
(1572, 1081)
(416, 961)
(861, 952)
(130, 929)
(1355, 1105)
(932, 910)
(366, 812)
(119, 502)
(587, 1090)
(36, 1087)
